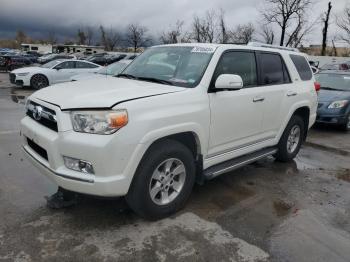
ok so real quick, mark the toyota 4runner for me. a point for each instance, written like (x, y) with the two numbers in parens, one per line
(177, 115)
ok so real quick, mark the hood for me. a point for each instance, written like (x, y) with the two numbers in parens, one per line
(330, 95)
(100, 92)
(29, 69)
(86, 76)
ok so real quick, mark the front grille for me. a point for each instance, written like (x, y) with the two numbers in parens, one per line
(42, 115)
(13, 78)
(38, 149)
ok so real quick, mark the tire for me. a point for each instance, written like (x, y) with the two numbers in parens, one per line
(147, 180)
(346, 126)
(39, 81)
(291, 140)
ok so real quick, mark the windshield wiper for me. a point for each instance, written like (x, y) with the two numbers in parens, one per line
(127, 76)
(155, 80)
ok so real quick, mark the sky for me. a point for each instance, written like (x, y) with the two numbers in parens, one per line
(64, 17)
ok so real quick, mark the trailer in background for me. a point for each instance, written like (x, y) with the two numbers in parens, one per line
(39, 48)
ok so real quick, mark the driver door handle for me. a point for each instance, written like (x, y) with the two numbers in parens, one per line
(258, 99)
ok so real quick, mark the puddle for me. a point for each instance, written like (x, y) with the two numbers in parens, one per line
(19, 96)
(216, 196)
(345, 175)
(282, 208)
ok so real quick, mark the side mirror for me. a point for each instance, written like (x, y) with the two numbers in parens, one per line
(228, 82)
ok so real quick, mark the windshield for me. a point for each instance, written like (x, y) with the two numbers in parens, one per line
(112, 69)
(178, 65)
(334, 81)
(51, 64)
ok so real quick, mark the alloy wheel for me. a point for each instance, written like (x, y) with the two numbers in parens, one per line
(293, 139)
(167, 181)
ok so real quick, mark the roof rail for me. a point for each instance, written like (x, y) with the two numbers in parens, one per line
(257, 44)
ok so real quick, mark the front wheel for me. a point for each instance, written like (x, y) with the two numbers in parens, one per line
(163, 181)
(39, 81)
(346, 125)
(291, 140)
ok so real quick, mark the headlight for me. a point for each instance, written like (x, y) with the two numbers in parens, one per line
(99, 122)
(338, 104)
(22, 74)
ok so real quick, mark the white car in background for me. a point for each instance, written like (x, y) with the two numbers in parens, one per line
(111, 70)
(57, 71)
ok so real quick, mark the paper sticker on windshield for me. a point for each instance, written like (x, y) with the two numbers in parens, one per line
(201, 49)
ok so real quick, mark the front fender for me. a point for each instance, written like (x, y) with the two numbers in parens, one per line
(154, 135)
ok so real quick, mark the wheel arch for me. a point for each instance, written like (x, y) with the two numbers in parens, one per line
(31, 78)
(191, 140)
(304, 113)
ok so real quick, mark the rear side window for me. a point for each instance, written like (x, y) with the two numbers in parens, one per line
(238, 63)
(302, 67)
(66, 65)
(272, 70)
(84, 65)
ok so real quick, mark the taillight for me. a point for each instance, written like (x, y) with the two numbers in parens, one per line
(317, 86)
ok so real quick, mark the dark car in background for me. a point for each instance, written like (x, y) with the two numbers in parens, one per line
(51, 57)
(11, 62)
(106, 59)
(342, 66)
(334, 98)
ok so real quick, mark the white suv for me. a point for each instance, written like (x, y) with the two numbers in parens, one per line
(177, 114)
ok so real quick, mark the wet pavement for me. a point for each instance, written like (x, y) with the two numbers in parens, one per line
(266, 211)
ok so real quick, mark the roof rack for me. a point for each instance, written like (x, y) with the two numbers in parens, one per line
(257, 44)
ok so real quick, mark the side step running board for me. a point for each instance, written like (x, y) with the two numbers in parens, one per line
(236, 163)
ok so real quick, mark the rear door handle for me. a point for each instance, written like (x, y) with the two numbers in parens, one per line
(258, 99)
(292, 93)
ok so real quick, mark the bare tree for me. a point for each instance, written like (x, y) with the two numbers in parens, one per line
(209, 26)
(204, 28)
(242, 34)
(325, 21)
(136, 36)
(174, 35)
(21, 37)
(197, 29)
(51, 37)
(267, 34)
(81, 37)
(224, 36)
(110, 39)
(301, 30)
(283, 12)
(343, 23)
(89, 35)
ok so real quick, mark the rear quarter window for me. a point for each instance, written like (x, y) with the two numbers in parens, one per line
(272, 69)
(302, 67)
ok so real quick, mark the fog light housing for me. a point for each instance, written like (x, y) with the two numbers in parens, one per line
(78, 165)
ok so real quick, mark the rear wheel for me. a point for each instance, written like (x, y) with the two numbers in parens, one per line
(163, 181)
(291, 140)
(39, 81)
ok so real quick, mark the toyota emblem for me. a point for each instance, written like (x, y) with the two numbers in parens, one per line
(37, 112)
